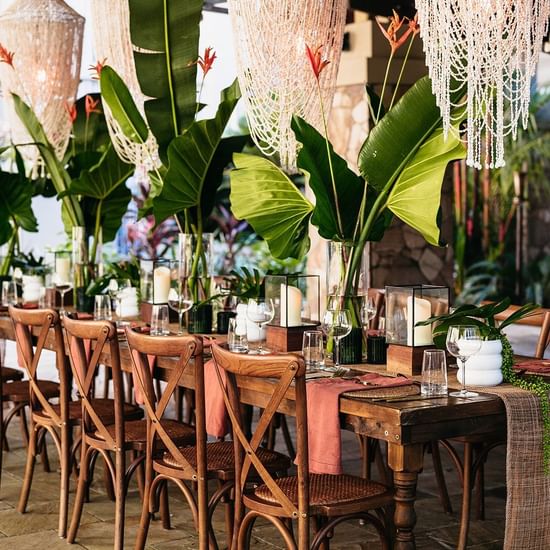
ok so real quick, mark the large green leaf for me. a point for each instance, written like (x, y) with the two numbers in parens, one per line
(116, 95)
(394, 141)
(313, 161)
(416, 195)
(264, 196)
(167, 32)
(192, 172)
(15, 205)
(60, 177)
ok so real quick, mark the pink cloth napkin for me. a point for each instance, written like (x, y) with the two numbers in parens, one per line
(541, 366)
(217, 424)
(325, 453)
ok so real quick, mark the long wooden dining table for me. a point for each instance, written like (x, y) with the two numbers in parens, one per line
(405, 425)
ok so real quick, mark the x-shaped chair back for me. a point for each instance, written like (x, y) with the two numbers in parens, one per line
(188, 351)
(286, 371)
(88, 342)
(47, 322)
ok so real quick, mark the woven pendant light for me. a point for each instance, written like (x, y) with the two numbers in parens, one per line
(46, 38)
(274, 73)
(111, 26)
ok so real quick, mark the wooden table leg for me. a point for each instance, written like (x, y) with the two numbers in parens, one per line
(406, 461)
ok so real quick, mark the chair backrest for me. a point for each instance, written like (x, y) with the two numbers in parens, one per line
(285, 370)
(25, 322)
(87, 342)
(188, 351)
(544, 336)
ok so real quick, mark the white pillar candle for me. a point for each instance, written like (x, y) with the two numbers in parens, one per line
(161, 285)
(422, 312)
(291, 306)
(62, 269)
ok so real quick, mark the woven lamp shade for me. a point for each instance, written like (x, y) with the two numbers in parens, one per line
(46, 38)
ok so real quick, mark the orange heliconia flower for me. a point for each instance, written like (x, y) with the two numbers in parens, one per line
(91, 106)
(6, 56)
(205, 61)
(318, 64)
(413, 24)
(96, 69)
(392, 31)
(71, 111)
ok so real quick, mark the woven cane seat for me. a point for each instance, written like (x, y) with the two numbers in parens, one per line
(326, 490)
(135, 431)
(220, 457)
(19, 391)
(8, 374)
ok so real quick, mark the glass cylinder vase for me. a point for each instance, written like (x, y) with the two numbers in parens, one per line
(84, 271)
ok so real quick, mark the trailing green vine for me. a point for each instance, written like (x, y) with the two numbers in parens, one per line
(534, 384)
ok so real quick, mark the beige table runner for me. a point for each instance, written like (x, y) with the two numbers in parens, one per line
(528, 488)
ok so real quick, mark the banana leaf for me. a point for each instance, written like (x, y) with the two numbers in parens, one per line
(264, 196)
(197, 159)
(167, 33)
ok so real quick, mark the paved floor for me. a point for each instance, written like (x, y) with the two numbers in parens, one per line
(37, 528)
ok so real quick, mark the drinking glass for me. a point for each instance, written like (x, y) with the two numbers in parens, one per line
(462, 343)
(260, 312)
(434, 373)
(116, 290)
(179, 299)
(368, 312)
(159, 320)
(313, 350)
(237, 341)
(102, 308)
(337, 324)
(9, 293)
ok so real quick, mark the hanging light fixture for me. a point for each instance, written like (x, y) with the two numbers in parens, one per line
(274, 74)
(45, 37)
(492, 47)
(113, 42)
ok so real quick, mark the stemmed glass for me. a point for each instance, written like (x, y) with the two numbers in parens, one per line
(462, 343)
(116, 292)
(336, 323)
(260, 312)
(179, 299)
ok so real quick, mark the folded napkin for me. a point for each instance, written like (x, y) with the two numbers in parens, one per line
(216, 415)
(541, 366)
(325, 453)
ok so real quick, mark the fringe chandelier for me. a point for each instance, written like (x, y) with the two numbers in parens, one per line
(492, 47)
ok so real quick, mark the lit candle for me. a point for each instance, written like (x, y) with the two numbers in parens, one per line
(422, 312)
(62, 269)
(291, 306)
(161, 285)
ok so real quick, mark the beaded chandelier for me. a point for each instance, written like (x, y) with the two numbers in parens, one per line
(274, 73)
(113, 43)
(45, 37)
(491, 46)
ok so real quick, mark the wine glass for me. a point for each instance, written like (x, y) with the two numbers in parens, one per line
(336, 323)
(368, 312)
(116, 290)
(260, 312)
(462, 343)
(179, 299)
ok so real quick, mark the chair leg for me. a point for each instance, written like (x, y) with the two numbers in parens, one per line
(65, 461)
(479, 512)
(80, 491)
(466, 497)
(145, 511)
(164, 508)
(440, 478)
(23, 423)
(108, 481)
(44, 452)
(120, 499)
(29, 471)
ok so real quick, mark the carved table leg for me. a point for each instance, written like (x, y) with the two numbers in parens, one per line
(406, 461)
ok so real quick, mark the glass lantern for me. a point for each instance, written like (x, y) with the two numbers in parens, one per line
(155, 281)
(408, 305)
(295, 299)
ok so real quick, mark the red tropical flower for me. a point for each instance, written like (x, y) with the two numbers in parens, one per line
(91, 106)
(71, 111)
(318, 64)
(96, 69)
(6, 56)
(205, 61)
(413, 25)
(392, 31)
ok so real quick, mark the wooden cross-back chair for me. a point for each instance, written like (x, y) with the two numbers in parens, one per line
(108, 425)
(329, 499)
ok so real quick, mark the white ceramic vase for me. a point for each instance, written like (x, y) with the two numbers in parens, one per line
(485, 367)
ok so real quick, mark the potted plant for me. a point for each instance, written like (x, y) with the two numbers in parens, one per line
(402, 165)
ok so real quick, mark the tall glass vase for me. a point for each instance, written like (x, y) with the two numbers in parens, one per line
(84, 270)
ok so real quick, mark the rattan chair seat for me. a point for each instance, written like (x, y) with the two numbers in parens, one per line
(326, 490)
(135, 431)
(19, 391)
(8, 374)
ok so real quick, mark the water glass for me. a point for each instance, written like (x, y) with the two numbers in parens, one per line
(102, 307)
(159, 320)
(9, 293)
(237, 341)
(313, 350)
(434, 373)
